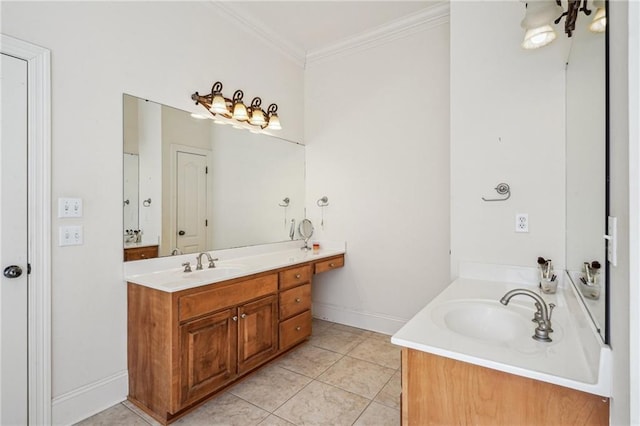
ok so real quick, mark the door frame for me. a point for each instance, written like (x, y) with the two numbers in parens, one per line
(39, 222)
(173, 193)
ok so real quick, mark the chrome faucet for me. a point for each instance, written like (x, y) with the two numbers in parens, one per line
(542, 316)
(199, 261)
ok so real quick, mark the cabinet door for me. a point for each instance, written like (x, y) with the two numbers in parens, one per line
(257, 332)
(208, 348)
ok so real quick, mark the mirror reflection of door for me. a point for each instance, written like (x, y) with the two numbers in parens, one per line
(191, 202)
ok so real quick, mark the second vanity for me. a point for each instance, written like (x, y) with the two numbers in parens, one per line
(191, 334)
(468, 359)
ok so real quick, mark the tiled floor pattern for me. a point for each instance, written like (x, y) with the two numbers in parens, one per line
(341, 376)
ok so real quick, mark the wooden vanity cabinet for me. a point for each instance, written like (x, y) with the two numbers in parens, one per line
(140, 253)
(183, 347)
(438, 390)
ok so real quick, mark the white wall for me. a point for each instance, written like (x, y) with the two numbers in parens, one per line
(619, 207)
(507, 125)
(377, 136)
(162, 51)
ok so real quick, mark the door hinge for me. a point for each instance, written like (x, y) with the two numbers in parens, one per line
(28, 268)
(206, 222)
(206, 170)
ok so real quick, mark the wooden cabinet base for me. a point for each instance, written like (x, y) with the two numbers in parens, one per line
(438, 390)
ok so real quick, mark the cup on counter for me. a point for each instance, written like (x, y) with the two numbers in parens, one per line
(316, 248)
(549, 285)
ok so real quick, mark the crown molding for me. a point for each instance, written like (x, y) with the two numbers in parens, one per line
(258, 29)
(430, 17)
(427, 18)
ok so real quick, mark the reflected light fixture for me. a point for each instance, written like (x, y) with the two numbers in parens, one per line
(540, 14)
(235, 109)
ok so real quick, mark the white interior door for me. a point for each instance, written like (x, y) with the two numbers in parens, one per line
(13, 242)
(191, 202)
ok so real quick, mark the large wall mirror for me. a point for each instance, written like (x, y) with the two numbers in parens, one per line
(586, 168)
(191, 185)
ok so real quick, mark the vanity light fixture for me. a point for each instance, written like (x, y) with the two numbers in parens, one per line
(541, 13)
(235, 109)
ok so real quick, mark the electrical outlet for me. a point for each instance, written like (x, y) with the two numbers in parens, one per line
(69, 207)
(70, 236)
(522, 222)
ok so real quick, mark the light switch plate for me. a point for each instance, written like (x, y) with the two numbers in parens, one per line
(70, 235)
(69, 207)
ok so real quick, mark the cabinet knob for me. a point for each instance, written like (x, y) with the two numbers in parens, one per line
(235, 318)
(143, 255)
(243, 316)
(331, 265)
(298, 328)
(298, 300)
(298, 276)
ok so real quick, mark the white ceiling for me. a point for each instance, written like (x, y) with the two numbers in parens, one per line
(305, 26)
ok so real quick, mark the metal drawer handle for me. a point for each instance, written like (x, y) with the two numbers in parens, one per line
(298, 328)
(243, 316)
(235, 318)
(331, 265)
(298, 276)
(298, 300)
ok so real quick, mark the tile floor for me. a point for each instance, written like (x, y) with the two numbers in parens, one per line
(341, 376)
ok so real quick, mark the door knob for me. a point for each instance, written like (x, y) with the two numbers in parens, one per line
(181, 233)
(12, 271)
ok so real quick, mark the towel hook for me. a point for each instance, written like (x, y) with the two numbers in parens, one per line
(323, 202)
(285, 202)
(501, 189)
(147, 202)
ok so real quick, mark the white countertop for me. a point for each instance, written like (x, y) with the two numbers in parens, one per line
(576, 358)
(167, 275)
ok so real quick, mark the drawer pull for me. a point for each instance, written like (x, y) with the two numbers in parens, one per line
(298, 300)
(298, 276)
(143, 255)
(235, 318)
(243, 316)
(298, 328)
(331, 265)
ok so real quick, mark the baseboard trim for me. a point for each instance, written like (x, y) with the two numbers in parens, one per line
(366, 320)
(71, 407)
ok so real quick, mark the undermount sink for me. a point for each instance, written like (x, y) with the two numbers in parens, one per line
(494, 324)
(486, 320)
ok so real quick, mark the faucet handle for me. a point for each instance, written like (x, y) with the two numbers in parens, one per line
(211, 264)
(551, 306)
(187, 266)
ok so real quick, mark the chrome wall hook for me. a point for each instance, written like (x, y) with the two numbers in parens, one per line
(323, 202)
(147, 202)
(501, 189)
(285, 202)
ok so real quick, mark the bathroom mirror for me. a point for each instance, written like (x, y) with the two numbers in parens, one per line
(586, 168)
(212, 186)
(305, 229)
(130, 191)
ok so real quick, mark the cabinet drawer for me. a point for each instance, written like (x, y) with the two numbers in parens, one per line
(329, 264)
(139, 253)
(295, 300)
(295, 276)
(226, 295)
(295, 330)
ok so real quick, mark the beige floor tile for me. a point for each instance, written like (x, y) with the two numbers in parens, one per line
(274, 420)
(224, 410)
(380, 336)
(378, 415)
(308, 360)
(320, 325)
(390, 393)
(336, 340)
(116, 415)
(349, 329)
(321, 404)
(147, 418)
(357, 376)
(377, 351)
(270, 387)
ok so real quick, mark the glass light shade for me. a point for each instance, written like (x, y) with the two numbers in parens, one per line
(257, 117)
(198, 116)
(240, 111)
(599, 23)
(538, 37)
(218, 105)
(274, 122)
